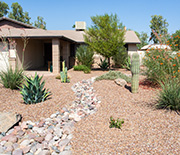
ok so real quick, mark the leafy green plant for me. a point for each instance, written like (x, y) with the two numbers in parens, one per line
(12, 78)
(33, 91)
(127, 63)
(79, 67)
(160, 64)
(84, 56)
(169, 97)
(87, 70)
(115, 123)
(120, 58)
(82, 68)
(63, 74)
(104, 64)
(112, 75)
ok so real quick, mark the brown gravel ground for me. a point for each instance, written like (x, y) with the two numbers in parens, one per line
(62, 96)
(146, 130)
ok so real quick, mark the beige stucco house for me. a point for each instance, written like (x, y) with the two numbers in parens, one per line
(47, 45)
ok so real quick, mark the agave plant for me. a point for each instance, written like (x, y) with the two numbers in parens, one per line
(104, 64)
(33, 91)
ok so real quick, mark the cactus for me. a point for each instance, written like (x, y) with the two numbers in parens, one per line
(64, 77)
(135, 67)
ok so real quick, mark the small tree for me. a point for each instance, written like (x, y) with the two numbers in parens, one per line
(159, 25)
(105, 36)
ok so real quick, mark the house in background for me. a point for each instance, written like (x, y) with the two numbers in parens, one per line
(46, 45)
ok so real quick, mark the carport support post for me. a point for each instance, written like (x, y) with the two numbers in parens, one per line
(56, 56)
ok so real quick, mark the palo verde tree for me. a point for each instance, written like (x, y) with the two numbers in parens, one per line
(159, 26)
(3, 9)
(106, 35)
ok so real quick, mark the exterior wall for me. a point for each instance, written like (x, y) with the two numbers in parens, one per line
(131, 49)
(8, 24)
(33, 55)
(65, 52)
(56, 55)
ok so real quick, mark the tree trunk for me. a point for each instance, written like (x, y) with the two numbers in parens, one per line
(109, 59)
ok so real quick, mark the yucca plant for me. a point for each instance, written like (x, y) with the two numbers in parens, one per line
(33, 91)
(12, 78)
(104, 64)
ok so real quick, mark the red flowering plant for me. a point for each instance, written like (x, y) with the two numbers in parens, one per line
(161, 63)
(162, 66)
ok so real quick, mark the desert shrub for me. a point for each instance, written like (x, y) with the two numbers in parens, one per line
(161, 64)
(104, 64)
(82, 68)
(33, 91)
(112, 75)
(84, 56)
(79, 67)
(12, 78)
(115, 123)
(87, 70)
(127, 63)
(120, 58)
(169, 97)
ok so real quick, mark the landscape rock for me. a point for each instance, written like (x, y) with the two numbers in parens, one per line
(120, 82)
(17, 152)
(51, 135)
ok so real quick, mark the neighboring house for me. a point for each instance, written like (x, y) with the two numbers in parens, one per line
(47, 45)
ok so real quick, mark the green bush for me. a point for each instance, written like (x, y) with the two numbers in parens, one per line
(33, 91)
(161, 64)
(115, 123)
(104, 64)
(79, 67)
(169, 97)
(127, 63)
(120, 58)
(12, 78)
(84, 56)
(112, 75)
(87, 70)
(82, 68)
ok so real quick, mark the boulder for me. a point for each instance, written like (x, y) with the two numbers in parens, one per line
(8, 120)
(120, 82)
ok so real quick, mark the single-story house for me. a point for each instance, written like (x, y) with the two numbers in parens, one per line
(46, 46)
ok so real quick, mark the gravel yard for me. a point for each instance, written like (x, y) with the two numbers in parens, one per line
(146, 130)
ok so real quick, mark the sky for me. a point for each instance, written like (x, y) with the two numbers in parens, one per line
(134, 14)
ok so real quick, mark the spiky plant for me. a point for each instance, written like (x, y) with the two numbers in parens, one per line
(33, 91)
(12, 78)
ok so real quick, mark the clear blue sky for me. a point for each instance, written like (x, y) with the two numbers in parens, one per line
(134, 14)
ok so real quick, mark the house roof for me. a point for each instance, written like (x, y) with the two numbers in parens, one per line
(131, 37)
(155, 46)
(72, 35)
(18, 22)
